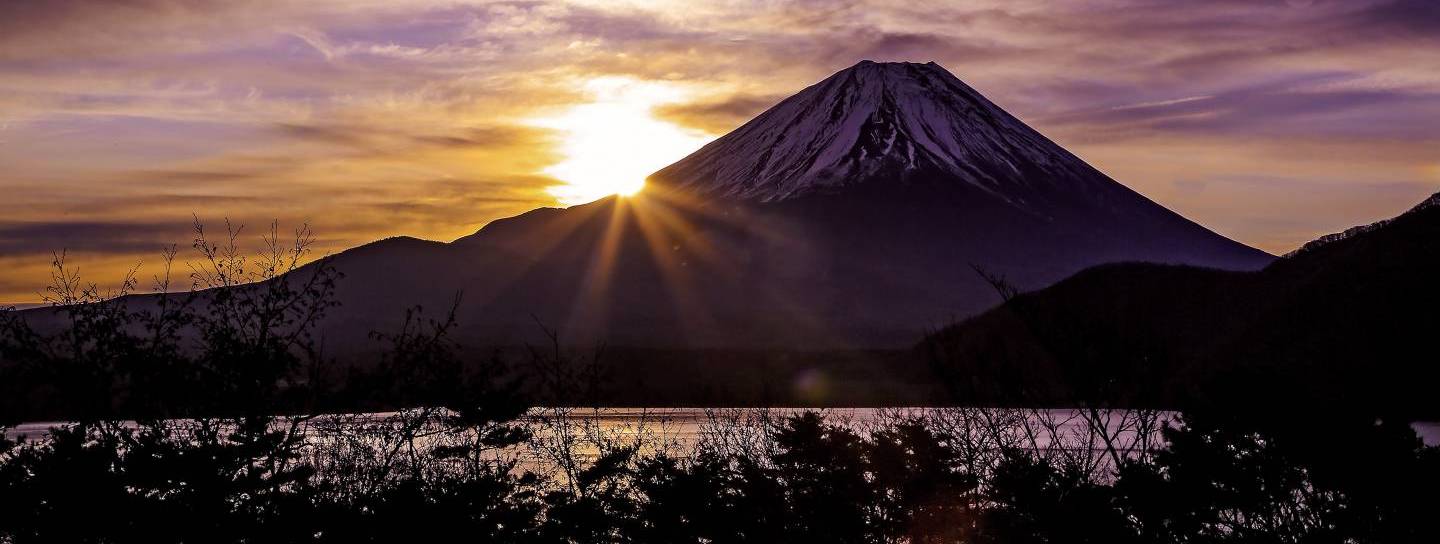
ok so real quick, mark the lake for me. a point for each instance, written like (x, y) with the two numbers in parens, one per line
(682, 427)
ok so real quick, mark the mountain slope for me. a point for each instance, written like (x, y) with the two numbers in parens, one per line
(1349, 320)
(1317, 243)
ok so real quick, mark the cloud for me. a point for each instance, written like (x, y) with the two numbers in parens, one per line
(91, 237)
(326, 134)
(487, 137)
(719, 116)
(116, 29)
(1413, 18)
(1300, 105)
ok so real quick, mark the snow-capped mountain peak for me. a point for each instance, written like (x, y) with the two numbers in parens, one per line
(890, 122)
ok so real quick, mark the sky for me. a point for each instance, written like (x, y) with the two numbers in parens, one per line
(1271, 122)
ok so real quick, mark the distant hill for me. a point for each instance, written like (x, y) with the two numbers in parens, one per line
(1348, 319)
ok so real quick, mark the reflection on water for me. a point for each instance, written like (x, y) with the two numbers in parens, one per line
(562, 441)
(681, 429)
(1090, 440)
(562, 437)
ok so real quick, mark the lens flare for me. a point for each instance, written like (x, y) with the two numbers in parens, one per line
(613, 142)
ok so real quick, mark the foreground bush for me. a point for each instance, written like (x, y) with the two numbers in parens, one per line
(822, 482)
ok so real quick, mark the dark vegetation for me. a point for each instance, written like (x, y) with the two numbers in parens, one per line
(211, 418)
(1346, 325)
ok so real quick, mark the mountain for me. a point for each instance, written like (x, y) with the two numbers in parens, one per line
(846, 216)
(1346, 320)
(891, 123)
(850, 215)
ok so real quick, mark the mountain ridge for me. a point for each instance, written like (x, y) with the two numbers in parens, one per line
(1433, 200)
(1348, 321)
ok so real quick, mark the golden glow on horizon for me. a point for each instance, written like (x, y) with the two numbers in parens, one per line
(613, 142)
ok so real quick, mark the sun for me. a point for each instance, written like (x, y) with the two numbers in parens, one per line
(611, 143)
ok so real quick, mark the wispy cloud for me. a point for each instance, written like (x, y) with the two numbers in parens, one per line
(125, 238)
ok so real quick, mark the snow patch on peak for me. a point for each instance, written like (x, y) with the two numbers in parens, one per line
(879, 122)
